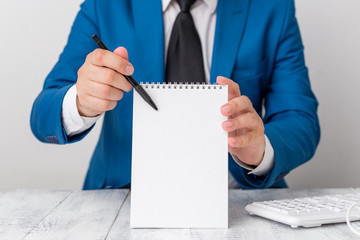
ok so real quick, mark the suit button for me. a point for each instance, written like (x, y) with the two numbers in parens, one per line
(52, 139)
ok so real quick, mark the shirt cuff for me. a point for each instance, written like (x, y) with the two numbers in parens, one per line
(72, 121)
(266, 164)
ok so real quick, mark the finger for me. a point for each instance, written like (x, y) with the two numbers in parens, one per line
(233, 87)
(237, 106)
(243, 140)
(109, 77)
(103, 91)
(122, 52)
(248, 120)
(105, 58)
(97, 105)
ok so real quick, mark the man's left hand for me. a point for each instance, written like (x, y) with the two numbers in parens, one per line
(245, 127)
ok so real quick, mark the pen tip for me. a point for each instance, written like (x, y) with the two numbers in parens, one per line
(153, 105)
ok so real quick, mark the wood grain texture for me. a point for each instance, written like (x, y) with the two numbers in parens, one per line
(103, 214)
(22, 210)
(121, 229)
(83, 215)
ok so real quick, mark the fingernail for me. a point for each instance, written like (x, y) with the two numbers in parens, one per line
(228, 124)
(226, 108)
(232, 140)
(129, 69)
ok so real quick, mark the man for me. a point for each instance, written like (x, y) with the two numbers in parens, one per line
(250, 45)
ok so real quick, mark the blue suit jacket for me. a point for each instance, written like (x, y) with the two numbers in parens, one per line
(257, 44)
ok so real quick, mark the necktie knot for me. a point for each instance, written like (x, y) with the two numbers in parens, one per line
(185, 5)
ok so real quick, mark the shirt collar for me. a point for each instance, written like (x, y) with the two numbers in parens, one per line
(212, 4)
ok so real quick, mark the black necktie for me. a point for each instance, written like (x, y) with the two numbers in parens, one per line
(184, 59)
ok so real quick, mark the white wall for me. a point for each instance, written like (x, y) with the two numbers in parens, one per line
(331, 35)
(33, 34)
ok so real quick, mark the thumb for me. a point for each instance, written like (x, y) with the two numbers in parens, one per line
(122, 52)
(233, 87)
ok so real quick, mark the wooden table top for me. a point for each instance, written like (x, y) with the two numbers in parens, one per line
(105, 214)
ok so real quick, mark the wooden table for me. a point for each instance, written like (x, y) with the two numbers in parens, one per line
(104, 214)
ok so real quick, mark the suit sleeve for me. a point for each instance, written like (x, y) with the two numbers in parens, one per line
(45, 118)
(291, 121)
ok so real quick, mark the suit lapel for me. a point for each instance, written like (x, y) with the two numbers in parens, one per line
(230, 26)
(149, 28)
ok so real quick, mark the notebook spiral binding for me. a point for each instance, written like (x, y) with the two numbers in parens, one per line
(180, 85)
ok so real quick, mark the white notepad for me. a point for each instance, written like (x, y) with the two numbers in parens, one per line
(180, 158)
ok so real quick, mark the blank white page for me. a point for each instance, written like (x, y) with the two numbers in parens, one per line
(179, 158)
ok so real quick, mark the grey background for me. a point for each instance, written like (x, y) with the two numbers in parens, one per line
(33, 34)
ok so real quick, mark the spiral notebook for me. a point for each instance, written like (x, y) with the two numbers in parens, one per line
(179, 158)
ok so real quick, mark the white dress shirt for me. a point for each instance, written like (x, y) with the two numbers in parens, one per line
(204, 16)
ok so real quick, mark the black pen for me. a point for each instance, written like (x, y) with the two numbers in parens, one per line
(130, 79)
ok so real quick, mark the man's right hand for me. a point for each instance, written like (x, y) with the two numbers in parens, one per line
(100, 82)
